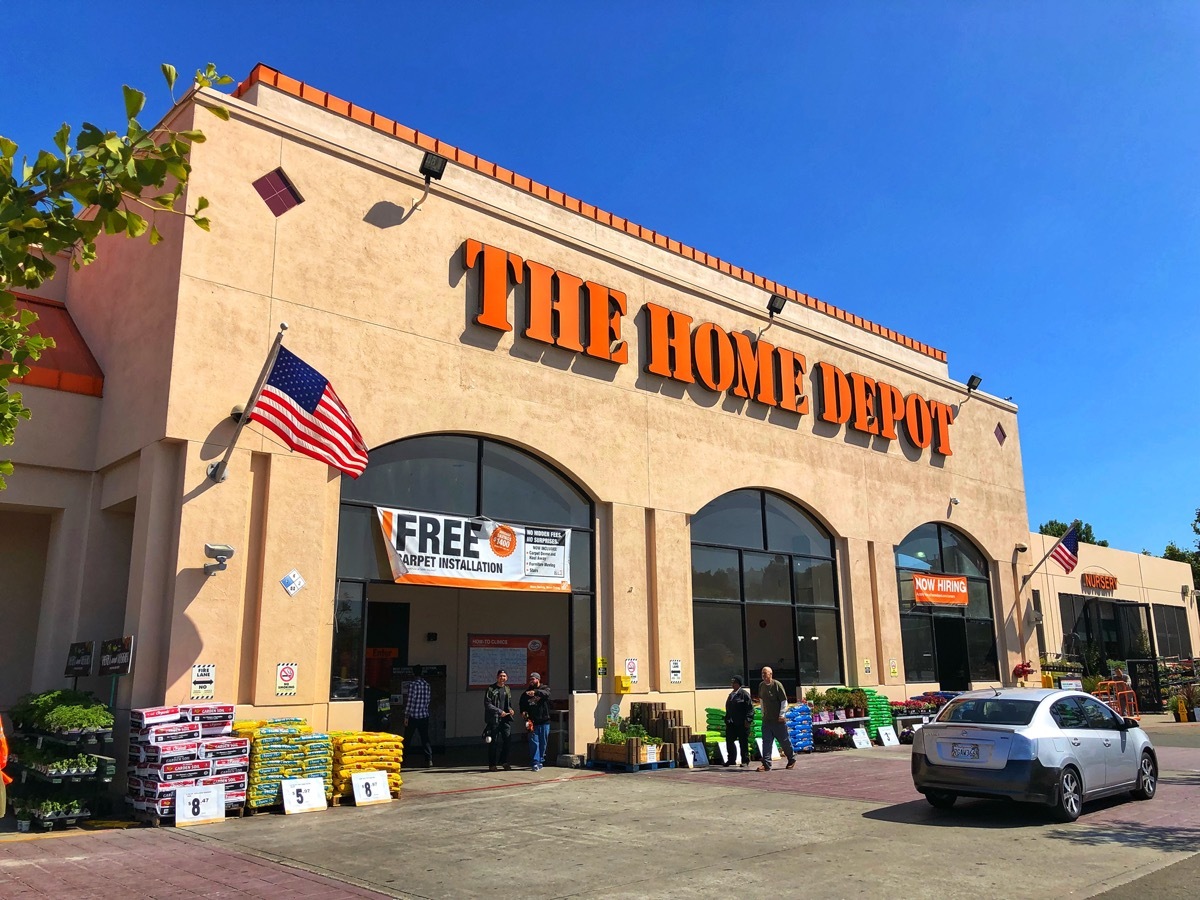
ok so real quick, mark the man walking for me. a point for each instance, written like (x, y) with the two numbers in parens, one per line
(417, 696)
(739, 716)
(774, 702)
(497, 717)
(535, 707)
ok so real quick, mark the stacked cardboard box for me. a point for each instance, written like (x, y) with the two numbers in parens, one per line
(180, 746)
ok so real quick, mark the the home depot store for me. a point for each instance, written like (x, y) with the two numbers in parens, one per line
(687, 495)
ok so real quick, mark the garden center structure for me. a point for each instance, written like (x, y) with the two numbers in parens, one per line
(588, 453)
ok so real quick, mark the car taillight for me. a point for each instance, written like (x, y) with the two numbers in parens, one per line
(1023, 747)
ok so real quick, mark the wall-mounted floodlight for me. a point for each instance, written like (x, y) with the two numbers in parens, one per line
(973, 383)
(1022, 547)
(219, 552)
(432, 166)
(776, 305)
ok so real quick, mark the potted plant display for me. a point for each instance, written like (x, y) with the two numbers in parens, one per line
(24, 817)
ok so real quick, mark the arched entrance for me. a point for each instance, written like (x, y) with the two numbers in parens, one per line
(949, 635)
(763, 575)
(382, 627)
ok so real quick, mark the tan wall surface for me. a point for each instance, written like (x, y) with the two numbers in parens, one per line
(24, 545)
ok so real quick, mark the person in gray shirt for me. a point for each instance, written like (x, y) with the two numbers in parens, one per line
(774, 703)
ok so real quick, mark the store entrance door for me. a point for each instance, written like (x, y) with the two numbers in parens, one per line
(950, 651)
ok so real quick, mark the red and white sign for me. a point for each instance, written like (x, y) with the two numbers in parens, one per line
(944, 590)
(285, 679)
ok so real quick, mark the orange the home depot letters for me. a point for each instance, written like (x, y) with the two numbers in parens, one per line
(581, 316)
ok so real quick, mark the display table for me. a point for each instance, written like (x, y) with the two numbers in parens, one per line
(922, 718)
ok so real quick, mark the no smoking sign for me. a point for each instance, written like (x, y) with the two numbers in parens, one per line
(285, 679)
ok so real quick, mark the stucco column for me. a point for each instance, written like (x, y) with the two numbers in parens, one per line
(858, 614)
(631, 619)
(886, 602)
(152, 573)
(671, 600)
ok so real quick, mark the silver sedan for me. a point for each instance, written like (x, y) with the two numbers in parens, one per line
(1058, 748)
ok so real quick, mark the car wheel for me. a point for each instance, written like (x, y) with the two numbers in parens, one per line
(1147, 781)
(1070, 796)
(941, 799)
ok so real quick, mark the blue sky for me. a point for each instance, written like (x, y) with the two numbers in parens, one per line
(1014, 183)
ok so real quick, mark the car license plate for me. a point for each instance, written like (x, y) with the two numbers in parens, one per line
(964, 751)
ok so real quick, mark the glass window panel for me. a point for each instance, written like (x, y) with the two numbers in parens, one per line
(767, 578)
(347, 661)
(981, 651)
(908, 602)
(581, 561)
(820, 660)
(733, 519)
(521, 487)
(791, 530)
(715, 574)
(979, 605)
(960, 557)
(583, 650)
(435, 473)
(920, 550)
(916, 632)
(717, 640)
(771, 641)
(814, 582)
(361, 552)
(1067, 713)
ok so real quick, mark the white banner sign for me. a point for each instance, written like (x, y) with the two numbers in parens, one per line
(455, 551)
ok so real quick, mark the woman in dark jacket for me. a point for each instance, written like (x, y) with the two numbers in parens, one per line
(739, 716)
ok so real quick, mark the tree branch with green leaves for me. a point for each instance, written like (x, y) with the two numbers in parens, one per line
(62, 201)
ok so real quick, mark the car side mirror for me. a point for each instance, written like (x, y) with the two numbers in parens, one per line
(1127, 723)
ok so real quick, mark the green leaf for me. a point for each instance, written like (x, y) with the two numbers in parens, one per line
(220, 112)
(203, 223)
(202, 203)
(169, 73)
(135, 225)
(134, 101)
(8, 149)
(155, 237)
(62, 138)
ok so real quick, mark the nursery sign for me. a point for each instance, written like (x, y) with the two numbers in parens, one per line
(79, 659)
(116, 656)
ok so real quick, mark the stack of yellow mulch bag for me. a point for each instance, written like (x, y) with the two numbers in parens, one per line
(284, 748)
(365, 751)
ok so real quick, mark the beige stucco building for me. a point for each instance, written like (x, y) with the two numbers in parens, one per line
(509, 354)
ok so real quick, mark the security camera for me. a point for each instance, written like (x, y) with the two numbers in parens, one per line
(219, 552)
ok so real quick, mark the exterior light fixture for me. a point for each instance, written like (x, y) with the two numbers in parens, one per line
(954, 501)
(219, 552)
(1022, 547)
(776, 305)
(973, 383)
(432, 166)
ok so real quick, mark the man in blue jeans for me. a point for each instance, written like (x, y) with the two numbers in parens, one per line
(535, 707)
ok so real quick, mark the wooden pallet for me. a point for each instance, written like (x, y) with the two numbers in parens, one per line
(348, 799)
(154, 820)
(607, 766)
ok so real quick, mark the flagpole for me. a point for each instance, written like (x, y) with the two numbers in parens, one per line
(216, 471)
(1025, 579)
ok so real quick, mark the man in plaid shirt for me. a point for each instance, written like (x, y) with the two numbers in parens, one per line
(417, 695)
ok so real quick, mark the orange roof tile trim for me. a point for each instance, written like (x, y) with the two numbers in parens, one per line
(69, 365)
(267, 75)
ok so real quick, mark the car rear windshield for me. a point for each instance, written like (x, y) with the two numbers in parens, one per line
(988, 711)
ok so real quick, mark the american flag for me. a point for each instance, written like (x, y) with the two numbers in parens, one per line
(1066, 554)
(299, 404)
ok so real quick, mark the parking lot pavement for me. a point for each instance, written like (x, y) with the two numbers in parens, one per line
(838, 825)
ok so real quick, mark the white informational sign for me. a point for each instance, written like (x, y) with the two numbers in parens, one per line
(676, 671)
(292, 582)
(862, 740)
(652, 753)
(689, 755)
(775, 751)
(285, 679)
(302, 795)
(887, 734)
(370, 788)
(516, 654)
(631, 669)
(204, 681)
(200, 805)
(457, 551)
(1071, 684)
(723, 752)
